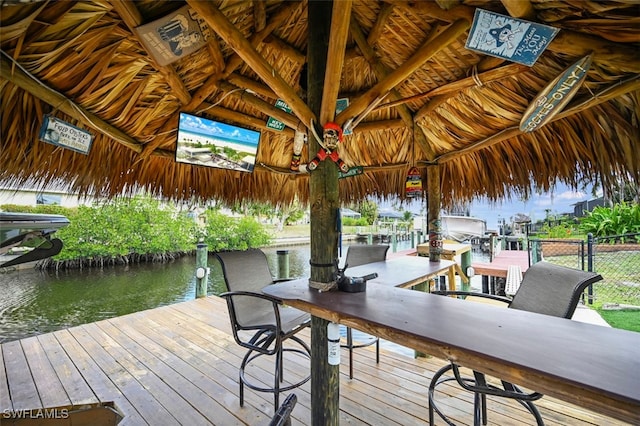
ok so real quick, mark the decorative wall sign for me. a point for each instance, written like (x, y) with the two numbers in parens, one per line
(61, 133)
(413, 186)
(174, 36)
(555, 96)
(509, 38)
(353, 171)
(341, 105)
(274, 124)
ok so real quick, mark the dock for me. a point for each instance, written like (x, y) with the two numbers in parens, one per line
(178, 364)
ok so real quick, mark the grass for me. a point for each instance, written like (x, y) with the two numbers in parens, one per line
(625, 320)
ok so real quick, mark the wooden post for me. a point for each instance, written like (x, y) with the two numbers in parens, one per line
(433, 213)
(202, 271)
(283, 264)
(324, 205)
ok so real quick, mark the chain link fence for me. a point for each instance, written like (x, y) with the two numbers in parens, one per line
(616, 258)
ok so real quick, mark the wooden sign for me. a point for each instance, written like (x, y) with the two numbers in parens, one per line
(61, 133)
(509, 38)
(174, 36)
(413, 186)
(555, 96)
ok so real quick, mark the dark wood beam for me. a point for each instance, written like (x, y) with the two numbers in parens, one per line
(132, 18)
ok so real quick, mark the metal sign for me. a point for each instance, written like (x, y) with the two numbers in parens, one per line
(274, 124)
(174, 36)
(61, 133)
(509, 38)
(353, 171)
(555, 96)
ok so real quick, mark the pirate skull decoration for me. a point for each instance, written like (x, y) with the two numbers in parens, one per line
(332, 136)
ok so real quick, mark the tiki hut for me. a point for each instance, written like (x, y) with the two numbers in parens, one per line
(417, 96)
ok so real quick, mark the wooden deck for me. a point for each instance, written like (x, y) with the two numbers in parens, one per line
(500, 264)
(178, 365)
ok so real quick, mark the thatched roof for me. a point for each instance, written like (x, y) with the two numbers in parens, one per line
(437, 101)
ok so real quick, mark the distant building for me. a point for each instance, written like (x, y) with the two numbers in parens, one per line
(580, 209)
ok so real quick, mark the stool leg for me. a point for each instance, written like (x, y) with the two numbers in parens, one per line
(350, 346)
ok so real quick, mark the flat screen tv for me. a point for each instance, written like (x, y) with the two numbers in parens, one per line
(210, 143)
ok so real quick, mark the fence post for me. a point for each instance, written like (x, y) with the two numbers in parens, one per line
(590, 264)
(202, 271)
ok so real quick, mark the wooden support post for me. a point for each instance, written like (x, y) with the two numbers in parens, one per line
(324, 202)
(202, 271)
(283, 264)
(433, 213)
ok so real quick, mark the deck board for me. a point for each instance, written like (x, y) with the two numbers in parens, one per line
(178, 364)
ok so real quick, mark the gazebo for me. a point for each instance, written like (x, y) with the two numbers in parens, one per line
(321, 102)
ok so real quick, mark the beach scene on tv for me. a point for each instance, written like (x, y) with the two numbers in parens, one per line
(210, 143)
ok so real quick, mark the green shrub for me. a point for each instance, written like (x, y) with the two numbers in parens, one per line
(620, 219)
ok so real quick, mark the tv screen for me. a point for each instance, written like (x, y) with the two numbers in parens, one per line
(206, 142)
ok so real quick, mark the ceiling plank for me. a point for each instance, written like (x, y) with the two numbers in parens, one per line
(40, 90)
(132, 18)
(234, 38)
(612, 92)
(376, 31)
(423, 54)
(340, 17)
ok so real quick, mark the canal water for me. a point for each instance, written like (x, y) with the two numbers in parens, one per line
(34, 302)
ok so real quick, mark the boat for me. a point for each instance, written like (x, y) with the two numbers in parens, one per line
(462, 228)
(28, 235)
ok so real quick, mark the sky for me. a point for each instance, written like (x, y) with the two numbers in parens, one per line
(560, 201)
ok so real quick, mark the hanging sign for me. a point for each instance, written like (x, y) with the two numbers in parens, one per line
(274, 124)
(413, 187)
(174, 36)
(509, 38)
(353, 171)
(555, 96)
(61, 133)
(341, 105)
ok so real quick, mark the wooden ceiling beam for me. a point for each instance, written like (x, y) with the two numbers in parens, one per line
(252, 85)
(286, 49)
(243, 119)
(132, 19)
(340, 17)
(383, 16)
(233, 62)
(236, 40)
(381, 71)
(259, 15)
(522, 9)
(624, 57)
(444, 92)
(423, 54)
(612, 92)
(261, 105)
(40, 90)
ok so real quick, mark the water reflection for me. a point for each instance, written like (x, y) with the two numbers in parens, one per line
(34, 302)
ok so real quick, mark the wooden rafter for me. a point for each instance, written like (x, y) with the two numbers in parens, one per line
(382, 71)
(233, 62)
(623, 57)
(422, 55)
(132, 18)
(605, 95)
(40, 90)
(234, 38)
(340, 18)
(522, 9)
(444, 92)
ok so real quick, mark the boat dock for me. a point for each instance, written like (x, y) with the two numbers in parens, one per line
(178, 364)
